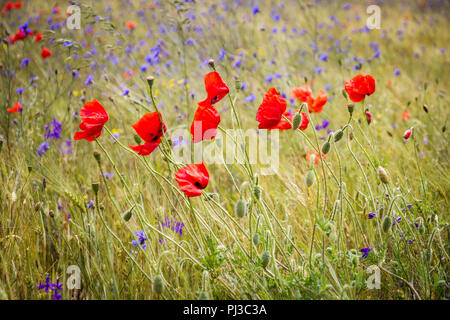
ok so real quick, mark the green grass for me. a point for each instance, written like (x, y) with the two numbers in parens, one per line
(312, 236)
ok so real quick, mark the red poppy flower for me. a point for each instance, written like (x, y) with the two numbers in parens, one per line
(38, 37)
(407, 134)
(284, 124)
(17, 108)
(93, 117)
(313, 156)
(45, 53)
(271, 109)
(17, 5)
(316, 104)
(150, 128)
(359, 87)
(216, 89)
(7, 7)
(20, 35)
(130, 25)
(192, 179)
(302, 93)
(204, 125)
(405, 115)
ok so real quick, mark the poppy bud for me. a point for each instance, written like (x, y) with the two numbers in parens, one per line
(338, 135)
(296, 121)
(95, 187)
(211, 64)
(265, 259)
(407, 134)
(101, 206)
(309, 178)
(241, 208)
(150, 81)
(158, 284)
(326, 147)
(382, 174)
(51, 213)
(37, 206)
(97, 155)
(203, 296)
(257, 192)
(368, 116)
(137, 139)
(127, 214)
(350, 108)
(30, 168)
(425, 108)
(256, 239)
(387, 223)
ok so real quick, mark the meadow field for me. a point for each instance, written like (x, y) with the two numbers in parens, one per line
(105, 194)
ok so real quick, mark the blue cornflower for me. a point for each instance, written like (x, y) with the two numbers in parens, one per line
(397, 72)
(255, 9)
(20, 90)
(323, 57)
(25, 62)
(53, 130)
(365, 251)
(90, 204)
(108, 175)
(396, 220)
(250, 98)
(42, 149)
(46, 286)
(89, 80)
(372, 215)
(141, 239)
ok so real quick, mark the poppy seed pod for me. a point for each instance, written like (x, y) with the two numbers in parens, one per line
(51, 213)
(350, 108)
(425, 108)
(95, 187)
(211, 64)
(326, 147)
(97, 155)
(150, 81)
(265, 259)
(309, 178)
(241, 208)
(387, 223)
(238, 84)
(382, 174)
(338, 135)
(296, 121)
(158, 284)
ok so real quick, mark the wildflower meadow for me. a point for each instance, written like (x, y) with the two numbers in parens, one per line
(224, 150)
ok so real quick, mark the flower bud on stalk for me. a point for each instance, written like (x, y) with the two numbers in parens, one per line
(256, 239)
(338, 135)
(265, 259)
(296, 121)
(387, 223)
(211, 64)
(382, 174)
(425, 108)
(257, 192)
(150, 81)
(241, 208)
(368, 116)
(158, 284)
(309, 178)
(326, 147)
(127, 214)
(407, 134)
